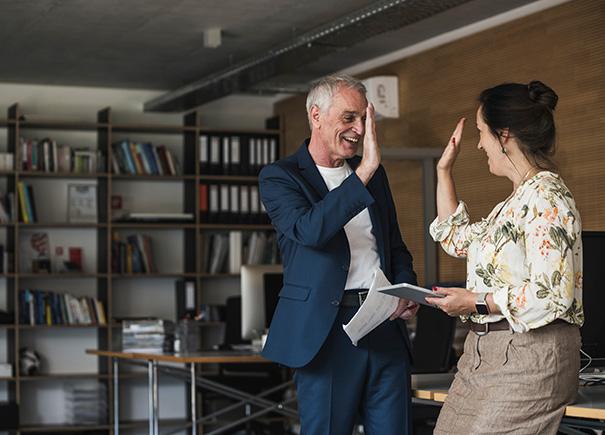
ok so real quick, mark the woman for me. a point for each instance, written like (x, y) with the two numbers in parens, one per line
(523, 298)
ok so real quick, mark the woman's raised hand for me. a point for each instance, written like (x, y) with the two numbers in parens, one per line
(448, 158)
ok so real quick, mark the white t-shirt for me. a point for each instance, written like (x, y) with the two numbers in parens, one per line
(362, 243)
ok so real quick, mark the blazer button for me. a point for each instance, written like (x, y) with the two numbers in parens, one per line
(335, 303)
(345, 267)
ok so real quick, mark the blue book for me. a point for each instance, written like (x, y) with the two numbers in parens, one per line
(128, 156)
(150, 158)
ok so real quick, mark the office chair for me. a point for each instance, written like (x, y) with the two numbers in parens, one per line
(432, 347)
(432, 352)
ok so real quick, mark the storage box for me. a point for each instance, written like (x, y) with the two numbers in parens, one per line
(9, 416)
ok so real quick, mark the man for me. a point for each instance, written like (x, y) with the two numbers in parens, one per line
(335, 221)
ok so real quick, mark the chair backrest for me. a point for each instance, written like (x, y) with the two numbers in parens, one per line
(432, 346)
(233, 335)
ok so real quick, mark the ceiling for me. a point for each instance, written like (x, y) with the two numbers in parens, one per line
(158, 44)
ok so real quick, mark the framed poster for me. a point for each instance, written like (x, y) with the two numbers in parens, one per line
(82, 203)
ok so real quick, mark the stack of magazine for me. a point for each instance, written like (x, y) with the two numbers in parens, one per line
(147, 335)
(86, 404)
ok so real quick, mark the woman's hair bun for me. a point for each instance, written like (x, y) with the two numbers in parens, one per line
(542, 94)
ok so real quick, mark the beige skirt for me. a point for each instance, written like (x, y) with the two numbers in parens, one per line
(509, 383)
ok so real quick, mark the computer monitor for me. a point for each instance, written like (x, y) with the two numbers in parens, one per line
(593, 296)
(260, 287)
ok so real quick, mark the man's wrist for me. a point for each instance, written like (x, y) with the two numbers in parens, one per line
(364, 173)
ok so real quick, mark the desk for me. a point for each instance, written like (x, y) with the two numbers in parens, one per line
(589, 405)
(223, 357)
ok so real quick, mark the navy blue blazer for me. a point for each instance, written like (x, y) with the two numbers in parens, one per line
(309, 222)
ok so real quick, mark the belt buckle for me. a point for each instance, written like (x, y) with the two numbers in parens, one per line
(362, 296)
(485, 331)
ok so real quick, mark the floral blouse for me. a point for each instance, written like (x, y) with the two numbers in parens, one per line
(527, 252)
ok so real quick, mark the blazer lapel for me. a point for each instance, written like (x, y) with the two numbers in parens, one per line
(309, 171)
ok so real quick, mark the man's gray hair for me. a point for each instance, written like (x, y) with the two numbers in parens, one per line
(322, 90)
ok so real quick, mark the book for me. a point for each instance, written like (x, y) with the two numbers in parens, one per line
(218, 252)
(31, 204)
(235, 251)
(43, 307)
(23, 211)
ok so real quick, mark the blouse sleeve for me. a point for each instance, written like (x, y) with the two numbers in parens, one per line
(453, 233)
(551, 232)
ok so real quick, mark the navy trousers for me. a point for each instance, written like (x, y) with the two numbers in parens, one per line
(346, 385)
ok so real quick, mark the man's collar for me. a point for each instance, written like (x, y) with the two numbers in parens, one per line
(305, 160)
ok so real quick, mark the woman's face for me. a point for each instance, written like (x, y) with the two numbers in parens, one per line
(496, 159)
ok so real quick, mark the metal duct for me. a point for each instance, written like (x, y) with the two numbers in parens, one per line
(380, 17)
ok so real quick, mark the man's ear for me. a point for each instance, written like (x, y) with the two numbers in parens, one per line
(315, 116)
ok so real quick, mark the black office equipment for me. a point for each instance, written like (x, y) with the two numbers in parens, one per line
(432, 350)
(593, 295)
(9, 416)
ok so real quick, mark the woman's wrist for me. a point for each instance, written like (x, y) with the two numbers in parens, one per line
(472, 297)
(444, 172)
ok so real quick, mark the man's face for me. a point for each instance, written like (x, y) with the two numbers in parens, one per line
(342, 126)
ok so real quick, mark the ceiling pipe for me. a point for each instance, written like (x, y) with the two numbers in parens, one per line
(380, 17)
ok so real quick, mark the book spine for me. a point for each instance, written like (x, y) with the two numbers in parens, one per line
(22, 202)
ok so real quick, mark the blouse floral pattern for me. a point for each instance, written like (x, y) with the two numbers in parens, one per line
(527, 252)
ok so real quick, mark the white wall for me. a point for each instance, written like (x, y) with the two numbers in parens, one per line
(241, 112)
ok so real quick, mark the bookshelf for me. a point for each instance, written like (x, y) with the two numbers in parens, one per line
(180, 248)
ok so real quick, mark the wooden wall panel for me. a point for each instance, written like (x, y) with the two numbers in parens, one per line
(563, 46)
(405, 178)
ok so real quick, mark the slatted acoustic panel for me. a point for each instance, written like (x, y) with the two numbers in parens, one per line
(563, 46)
(405, 178)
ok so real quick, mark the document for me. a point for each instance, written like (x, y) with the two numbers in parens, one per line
(376, 309)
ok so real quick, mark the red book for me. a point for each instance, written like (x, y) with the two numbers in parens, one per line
(161, 150)
(75, 258)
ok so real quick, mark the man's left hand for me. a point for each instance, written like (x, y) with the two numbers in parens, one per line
(405, 310)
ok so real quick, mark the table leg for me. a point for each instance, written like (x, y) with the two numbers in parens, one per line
(116, 398)
(193, 404)
(156, 401)
(150, 396)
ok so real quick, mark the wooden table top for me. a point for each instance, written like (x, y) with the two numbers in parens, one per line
(206, 357)
(589, 403)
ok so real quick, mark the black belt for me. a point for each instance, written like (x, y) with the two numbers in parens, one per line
(484, 328)
(501, 325)
(354, 298)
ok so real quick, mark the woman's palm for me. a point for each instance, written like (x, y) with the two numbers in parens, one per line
(450, 153)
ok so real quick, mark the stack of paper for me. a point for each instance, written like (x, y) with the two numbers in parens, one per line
(376, 309)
